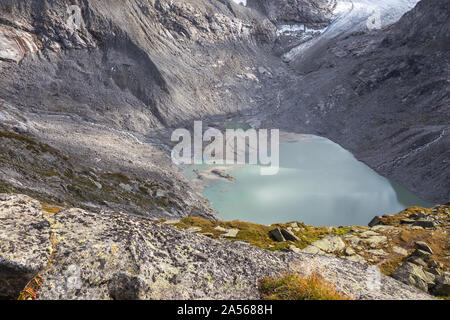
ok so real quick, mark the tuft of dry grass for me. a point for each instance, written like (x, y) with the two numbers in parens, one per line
(31, 289)
(49, 209)
(294, 287)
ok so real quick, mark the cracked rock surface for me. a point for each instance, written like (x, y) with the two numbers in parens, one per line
(117, 256)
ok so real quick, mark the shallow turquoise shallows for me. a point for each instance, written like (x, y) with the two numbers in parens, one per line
(319, 183)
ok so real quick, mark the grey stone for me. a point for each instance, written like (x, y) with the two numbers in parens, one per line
(277, 235)
(414, 275)
(375, 241)
(435, 271)
(221, 229)
(416, 260)
(295, 249)
(423, 246)
(289, 236)
(378, 252)
(427, 224)
(421, 254)
(349, 251)
(400, 250)
(356, 258)
(375, 221)
(330, 244)
(312, 250)
(442, 287)
(231, 233)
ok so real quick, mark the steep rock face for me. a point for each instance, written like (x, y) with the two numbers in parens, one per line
(302, 11)
(14, 44)
(425, 25)
(84, 255)
(382, 94)
(100, 94)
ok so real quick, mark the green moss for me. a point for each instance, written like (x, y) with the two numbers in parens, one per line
(258, 235)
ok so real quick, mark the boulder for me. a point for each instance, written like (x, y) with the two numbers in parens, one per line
(421, 254)
(356, 258)
(294, 249)
(289, 236)
(221, 229)
(312, 250)
(277, 235)
(377, 252)
(375, 241)
(425, 224)
(414, 275)
(330, 244)
(375, 221)
(354, 240)
(400, 251)
(231, 233)
(349, 251)
(423, 246)
(369, 233)
(442, 287)
(416, 260)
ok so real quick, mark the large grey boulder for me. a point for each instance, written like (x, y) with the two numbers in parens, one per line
(423, 246)
(375, 221)
(329, 244)
(277, 235)
(414, 275)
(442, 287)
(289, 236)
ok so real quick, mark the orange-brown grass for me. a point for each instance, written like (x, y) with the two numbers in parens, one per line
(51, 209)
(30, 291)
(436, 239)
(294, 287)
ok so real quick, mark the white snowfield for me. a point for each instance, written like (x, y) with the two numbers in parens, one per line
(355, 15)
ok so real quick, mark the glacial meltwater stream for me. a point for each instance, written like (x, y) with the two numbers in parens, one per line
(319, 183)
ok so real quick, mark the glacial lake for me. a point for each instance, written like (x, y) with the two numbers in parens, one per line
(319, 183)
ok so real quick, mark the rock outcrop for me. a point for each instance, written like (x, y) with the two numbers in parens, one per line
(414, 255)
(77, 254)
(292, 11)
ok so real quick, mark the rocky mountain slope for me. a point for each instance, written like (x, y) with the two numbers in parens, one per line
(86, 116)
(107, 95)
(76, 254)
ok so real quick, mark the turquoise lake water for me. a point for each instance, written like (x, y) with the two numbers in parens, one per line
(319, 183)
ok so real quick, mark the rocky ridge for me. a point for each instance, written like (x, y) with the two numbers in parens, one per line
(411, 246)
(60, 253)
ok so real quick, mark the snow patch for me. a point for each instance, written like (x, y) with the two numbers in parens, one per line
(290, 29)
(243, 2)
